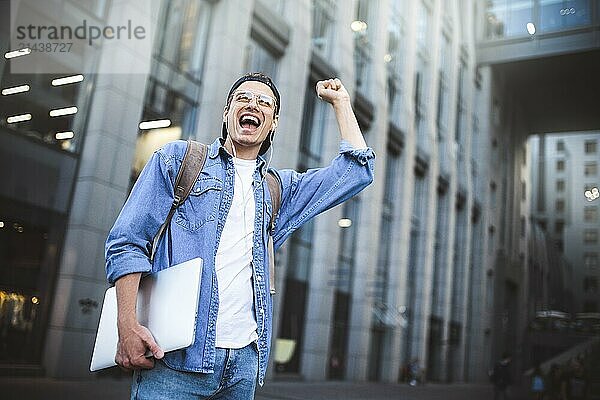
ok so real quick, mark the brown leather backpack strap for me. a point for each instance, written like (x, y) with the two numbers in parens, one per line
(275, 190)
(189, 171)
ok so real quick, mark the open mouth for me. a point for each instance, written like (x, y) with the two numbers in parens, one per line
(249, 122)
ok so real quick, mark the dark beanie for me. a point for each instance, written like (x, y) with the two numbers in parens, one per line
(259, 77)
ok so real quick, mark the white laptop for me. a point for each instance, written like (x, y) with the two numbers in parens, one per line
(167, 305)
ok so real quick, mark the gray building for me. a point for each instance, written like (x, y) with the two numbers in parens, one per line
(567, 167)
(430, 266)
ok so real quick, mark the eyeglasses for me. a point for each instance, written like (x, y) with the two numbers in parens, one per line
(262, 100)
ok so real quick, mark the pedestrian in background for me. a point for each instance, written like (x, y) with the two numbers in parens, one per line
(538, 384)
(575, 383)
(553, 383)
(501, 377)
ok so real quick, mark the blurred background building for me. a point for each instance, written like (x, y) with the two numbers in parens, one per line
(567, 166)
(444, 259)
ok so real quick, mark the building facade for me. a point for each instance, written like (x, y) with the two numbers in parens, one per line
(425, 264)
(567, 168)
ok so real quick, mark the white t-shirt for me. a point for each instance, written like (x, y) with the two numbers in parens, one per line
(236, 324)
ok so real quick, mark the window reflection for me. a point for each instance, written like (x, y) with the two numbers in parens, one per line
(163, 103)
(509, 18)
(323, 20)
(393, 59)
(180, 43)
(42, 97)
(29, 238)
(261, 60)
(362, 44)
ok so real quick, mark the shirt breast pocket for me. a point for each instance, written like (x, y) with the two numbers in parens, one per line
(202, 204)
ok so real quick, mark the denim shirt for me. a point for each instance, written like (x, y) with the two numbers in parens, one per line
(196, 228)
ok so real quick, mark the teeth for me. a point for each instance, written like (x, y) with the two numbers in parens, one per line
(250, 118)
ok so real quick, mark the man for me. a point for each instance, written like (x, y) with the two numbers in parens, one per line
(226, 222)
(501, 377)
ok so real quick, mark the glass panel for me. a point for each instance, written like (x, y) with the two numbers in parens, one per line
(506, 18)
(163, 103)
(564, 14)
(30, 239)
(323, 19)
(423, 28)
(313, 131)
(348, 246)
(182, 41)
(260, 59)
(362, 44)
(393, 59)
(519, 14)
(40, 96)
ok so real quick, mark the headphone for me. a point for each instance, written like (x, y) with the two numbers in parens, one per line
(270, 137)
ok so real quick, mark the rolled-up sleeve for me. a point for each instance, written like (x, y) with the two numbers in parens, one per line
(129, 241)
(305, 195)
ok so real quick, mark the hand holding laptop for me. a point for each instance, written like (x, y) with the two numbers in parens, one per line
(136, 347)
(155, 315)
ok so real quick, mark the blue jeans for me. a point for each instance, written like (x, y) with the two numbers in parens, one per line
(234, 378)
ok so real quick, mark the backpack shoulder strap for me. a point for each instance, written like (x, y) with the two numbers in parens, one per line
(189, 171)
(274, 185)
(275, 191)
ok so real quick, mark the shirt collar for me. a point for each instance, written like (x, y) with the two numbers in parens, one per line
(219, 146)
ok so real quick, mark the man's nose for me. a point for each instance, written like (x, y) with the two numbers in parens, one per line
(253, 103)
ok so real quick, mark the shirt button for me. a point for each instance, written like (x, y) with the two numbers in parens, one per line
(258, 278)
(260, 310)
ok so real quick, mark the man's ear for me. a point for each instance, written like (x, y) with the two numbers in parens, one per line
(275, 122)
(225, 110)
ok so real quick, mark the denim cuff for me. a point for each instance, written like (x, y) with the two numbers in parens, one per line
(131, 263)
(362, 155)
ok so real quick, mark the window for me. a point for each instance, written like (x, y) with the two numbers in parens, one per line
(560, 145)
(343, 287)
(560, 205)
(590, 168)
(394, 58)
(560, 185)
(162, 102)
(559, 226)
(421, 83)
(423, 28)
(182, 35)
(260, 59)
(362, 45)
(590, 236)
(557, 15)
(460, 106)
(323, 18)
(442, 106)
(28, 241)
(507, 18)
(590, 146)
(560, 165)
(560, 245)
(590, 261)
(590, 284)
(590, 214)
